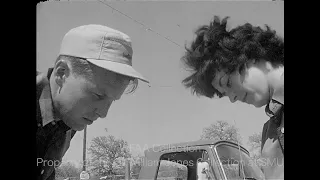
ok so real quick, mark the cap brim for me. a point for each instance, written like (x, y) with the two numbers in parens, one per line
(119, 68)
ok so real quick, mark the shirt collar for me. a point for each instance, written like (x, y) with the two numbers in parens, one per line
(277, 100)
(45, 101)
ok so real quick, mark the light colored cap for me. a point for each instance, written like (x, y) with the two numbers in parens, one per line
(103, 46)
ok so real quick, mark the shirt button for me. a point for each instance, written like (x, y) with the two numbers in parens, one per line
(39, 124)
(42, 171)
(53, 123)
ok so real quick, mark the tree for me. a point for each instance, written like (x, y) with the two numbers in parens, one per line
(221, 130)
(67, 169)
(108, 155)
(136, 164)
(255, 145)
(255, 148)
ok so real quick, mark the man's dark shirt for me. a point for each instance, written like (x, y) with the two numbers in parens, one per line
(53, 136)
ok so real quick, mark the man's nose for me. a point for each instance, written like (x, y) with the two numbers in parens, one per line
(103, 108)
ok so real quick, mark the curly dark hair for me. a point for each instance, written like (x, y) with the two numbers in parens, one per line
(215, 48)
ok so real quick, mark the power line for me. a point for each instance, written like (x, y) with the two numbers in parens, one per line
(146, 27)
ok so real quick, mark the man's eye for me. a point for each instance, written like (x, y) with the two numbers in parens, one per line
(98, 96)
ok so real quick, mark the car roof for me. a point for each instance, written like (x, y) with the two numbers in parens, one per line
(190, 144)
(152, 155)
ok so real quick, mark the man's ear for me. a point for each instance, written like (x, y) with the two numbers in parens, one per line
(61, 72)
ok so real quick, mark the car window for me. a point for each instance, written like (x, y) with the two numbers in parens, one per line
(186, 165)
(237, 164)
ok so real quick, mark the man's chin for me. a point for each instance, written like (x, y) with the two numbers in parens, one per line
(75, 126)
(78, 128)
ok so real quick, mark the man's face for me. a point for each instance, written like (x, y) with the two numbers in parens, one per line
(250, 86)
(82, 101)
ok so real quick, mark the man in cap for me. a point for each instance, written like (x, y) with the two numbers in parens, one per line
(93, 69)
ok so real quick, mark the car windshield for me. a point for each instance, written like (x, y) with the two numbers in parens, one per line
(237, 164)
(185, 165)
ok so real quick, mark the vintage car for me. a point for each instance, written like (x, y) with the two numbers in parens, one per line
(205, 159)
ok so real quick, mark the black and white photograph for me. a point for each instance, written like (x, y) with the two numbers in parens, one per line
(161, 90)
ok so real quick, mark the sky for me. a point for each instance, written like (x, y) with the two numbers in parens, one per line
(166, 112)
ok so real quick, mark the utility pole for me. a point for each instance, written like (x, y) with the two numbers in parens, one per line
(127, 170)
(84, 148)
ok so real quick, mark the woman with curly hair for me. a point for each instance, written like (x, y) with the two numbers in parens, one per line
(245, 64)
